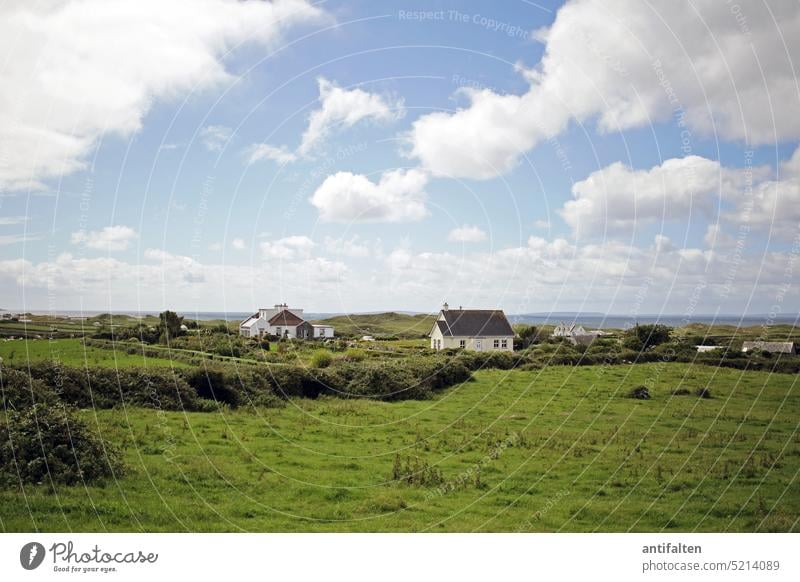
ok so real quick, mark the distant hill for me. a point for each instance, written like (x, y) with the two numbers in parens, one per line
(382, 324)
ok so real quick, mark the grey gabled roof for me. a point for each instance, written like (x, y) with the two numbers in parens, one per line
(474, 323)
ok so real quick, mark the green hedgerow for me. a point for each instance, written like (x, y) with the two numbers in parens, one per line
(49, 443)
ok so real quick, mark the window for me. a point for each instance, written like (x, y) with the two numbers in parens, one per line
(478, 345)
(504, 344)
(462, 343)
(496, 343)
(278, 331)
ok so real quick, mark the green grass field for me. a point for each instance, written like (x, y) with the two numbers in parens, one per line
(559, 449)
(382, 325)
(72, 352)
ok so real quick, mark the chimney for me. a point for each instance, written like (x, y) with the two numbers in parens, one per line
(445, 307)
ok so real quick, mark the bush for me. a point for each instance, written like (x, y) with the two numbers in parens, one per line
(321, 359)
(639, 393)
(642, 337)
(355, 355)
(681, 392)
(19, 391)
(703, 393)
(49, 443)
(108, 387)
(213, 385)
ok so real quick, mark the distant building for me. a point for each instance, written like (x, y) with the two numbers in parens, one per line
(564, 330)
(480, 330)
(702, 349)
(576, 334)
(282, 322)
(772, 347)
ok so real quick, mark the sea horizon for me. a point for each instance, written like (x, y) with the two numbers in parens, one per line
(592, 319)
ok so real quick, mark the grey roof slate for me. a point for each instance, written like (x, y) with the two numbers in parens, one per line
(474, 323)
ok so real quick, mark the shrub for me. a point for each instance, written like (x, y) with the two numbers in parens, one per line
(355, 355)
(321, 359)
(19, 391)
(681, 392)
(703, 393)
(639, 393)
(386, 382)
(107, 387)
(48, 442)
(646, 336)
(213, 385)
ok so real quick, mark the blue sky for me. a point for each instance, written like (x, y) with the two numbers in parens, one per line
(530, 156)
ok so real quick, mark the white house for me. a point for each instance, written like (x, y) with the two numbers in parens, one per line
(564, 330)
(480, 330)
(282, 322)
(576, 334)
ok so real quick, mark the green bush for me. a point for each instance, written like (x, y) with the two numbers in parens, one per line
(355, 355)
(49, 443)
(321, 359)
(213, 384)
(108, 387)
(703, 393)
(639, 393)
(19, 391)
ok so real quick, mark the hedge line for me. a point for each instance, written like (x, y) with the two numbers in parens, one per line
(198, 388)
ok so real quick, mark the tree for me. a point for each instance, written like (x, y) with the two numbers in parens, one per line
(528, 336)
(169, 326)
(642, 337)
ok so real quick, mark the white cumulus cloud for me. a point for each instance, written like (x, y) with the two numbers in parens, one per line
(264, 151)
(627, 64)
(290, 247)
(618, 198)
(466, 233)
(339, 108)
(398, 196)
(214, 137)
(75, 70)
(109, 238)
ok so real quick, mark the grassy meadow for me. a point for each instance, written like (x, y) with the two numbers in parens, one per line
(556, 449)
(382, 325)
(72, 352)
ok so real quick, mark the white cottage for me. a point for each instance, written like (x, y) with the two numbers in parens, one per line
(480, 330)
(283, 322)
(576, 334)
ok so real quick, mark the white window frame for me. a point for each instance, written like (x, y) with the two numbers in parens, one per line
(496, 344)
(504, 344)
(478, 345)
(462, 343)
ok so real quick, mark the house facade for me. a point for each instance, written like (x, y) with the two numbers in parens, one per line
(576, 334)
(480, 330)
(283, 322)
